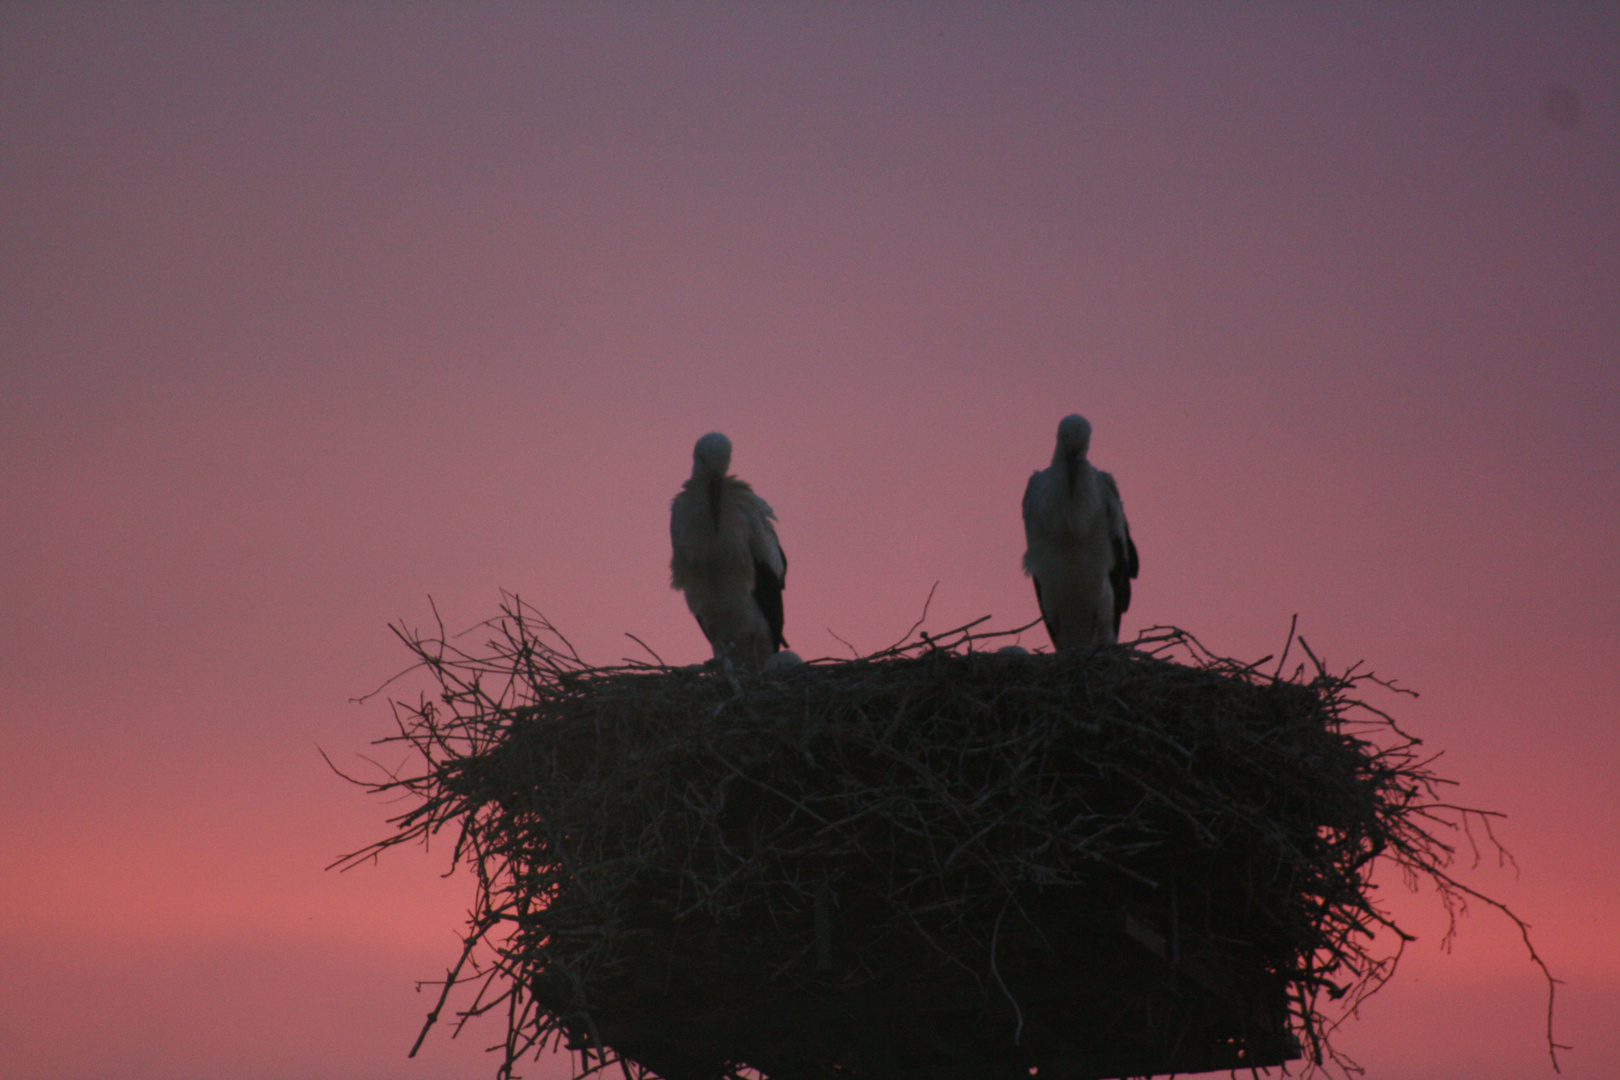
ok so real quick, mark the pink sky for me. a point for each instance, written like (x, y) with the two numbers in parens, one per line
(308, 315)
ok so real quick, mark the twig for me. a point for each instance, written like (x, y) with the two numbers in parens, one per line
(625, 821)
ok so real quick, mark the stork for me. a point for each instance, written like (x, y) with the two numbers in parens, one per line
(1079, 553)
(727, 559)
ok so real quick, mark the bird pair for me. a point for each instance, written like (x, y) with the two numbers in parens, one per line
(729, 563)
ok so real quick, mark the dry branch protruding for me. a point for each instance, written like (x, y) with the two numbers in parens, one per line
(937, 862)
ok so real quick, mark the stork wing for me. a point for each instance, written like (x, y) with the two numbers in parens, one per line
(1034, 492)
(770, 568)
(680, 530)
(1029, 501)
(1125, 562)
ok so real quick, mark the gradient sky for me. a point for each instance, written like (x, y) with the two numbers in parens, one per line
(308, 315)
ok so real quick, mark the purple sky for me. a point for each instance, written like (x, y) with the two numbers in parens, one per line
(307, 315)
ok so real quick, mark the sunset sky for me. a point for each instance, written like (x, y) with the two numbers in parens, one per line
(309, 313)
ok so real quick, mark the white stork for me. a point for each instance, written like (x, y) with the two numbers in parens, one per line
(727, 559)
(1080, 552)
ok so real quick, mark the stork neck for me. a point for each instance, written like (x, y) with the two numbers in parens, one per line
(715, 487)
(1072, 460)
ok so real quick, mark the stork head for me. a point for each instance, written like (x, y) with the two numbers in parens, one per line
(1073, 441)
(712, 455)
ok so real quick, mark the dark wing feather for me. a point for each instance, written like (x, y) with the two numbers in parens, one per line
(1028, 512)
(768, 595)
(1126, 564)
(708, 633)
(1050, 620)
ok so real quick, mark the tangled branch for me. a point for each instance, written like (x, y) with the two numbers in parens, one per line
(939, 860)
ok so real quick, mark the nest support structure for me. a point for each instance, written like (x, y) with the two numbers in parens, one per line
(939, 862)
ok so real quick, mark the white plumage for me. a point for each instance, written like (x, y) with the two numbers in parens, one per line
(727, 559)
(1079, 552)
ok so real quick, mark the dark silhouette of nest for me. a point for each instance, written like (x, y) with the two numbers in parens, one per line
(939, 862)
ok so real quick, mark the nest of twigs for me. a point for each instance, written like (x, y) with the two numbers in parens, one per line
(939, 862)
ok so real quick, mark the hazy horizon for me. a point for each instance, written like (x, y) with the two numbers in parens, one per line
(309, 314)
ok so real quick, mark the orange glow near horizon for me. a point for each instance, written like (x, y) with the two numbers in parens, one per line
(309, 315)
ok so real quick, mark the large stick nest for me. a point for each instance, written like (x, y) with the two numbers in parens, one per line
(936, 862)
